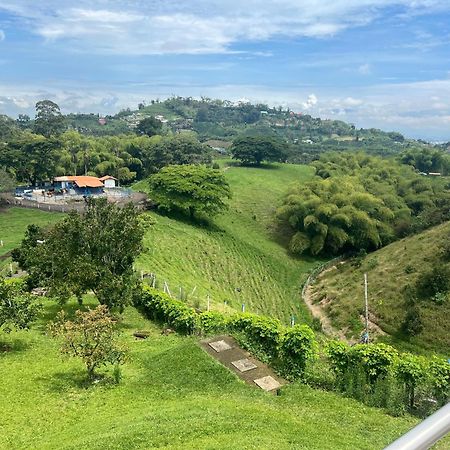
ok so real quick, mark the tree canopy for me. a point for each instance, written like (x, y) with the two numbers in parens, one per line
(256, 149)
(90, 252)
(190, 188)
(359, 202)
(49, 120)
(149, 126)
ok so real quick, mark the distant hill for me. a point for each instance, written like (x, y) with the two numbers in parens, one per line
(340, 292)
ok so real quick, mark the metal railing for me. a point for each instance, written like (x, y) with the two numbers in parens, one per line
(424, 435)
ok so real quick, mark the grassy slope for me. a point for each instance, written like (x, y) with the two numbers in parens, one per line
(387, 279)
(14, 222)
(173, 395)
(239, 253)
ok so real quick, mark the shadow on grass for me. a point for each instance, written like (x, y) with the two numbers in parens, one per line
(199, 221)
(263, 166)
(61, 382)
(13, 345)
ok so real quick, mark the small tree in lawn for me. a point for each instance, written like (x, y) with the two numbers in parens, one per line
(91, 336)
(190, 188)
(17, 307)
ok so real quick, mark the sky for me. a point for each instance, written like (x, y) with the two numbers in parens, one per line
(374, 63)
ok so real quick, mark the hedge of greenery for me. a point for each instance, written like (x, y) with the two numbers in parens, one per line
(376, 374)
(290, 349)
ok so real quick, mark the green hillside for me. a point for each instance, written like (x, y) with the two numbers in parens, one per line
(172, 395)
(14, 222)
(237, 259)
(390, 270)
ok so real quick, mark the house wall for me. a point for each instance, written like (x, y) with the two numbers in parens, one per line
(109, 183)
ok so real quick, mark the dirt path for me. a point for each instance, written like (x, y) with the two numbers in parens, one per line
(319, 313)
(317, 310)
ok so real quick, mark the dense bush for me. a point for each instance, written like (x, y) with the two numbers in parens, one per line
(433, 282)
(298, 346)
(359, 202)
(162, 308)
(377, 374)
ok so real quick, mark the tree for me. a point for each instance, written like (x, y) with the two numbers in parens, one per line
(256, 149)
(31, 158)
(17, 307)
(190, 188)
(91, 336)
(180, 149)
(49, 120)
(90, 252)
(7, 183)
(149, 126)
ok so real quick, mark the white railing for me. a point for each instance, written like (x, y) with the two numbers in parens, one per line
(424, 435)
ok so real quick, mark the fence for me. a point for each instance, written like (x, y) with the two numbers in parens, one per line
(138, 199)
(319, 269)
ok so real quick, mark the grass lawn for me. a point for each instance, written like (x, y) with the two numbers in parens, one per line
(172, 396)
(238, 259)
(390, 270)
(14, 222)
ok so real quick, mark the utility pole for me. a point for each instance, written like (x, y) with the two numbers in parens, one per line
(367, 309)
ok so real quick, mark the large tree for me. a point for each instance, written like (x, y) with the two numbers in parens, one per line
(49, 120)
(149, 126)
(190, 188)
(90, 252)
(256, 149)
(31, 158)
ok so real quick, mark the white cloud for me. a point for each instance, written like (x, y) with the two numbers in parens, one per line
(2, 35)
(364, 69)
(198, 26)
(310, 102)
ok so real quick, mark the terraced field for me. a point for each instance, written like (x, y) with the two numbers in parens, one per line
(238, 259)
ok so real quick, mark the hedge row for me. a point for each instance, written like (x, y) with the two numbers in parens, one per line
(419, 379)
(291, 348)
(361, 370)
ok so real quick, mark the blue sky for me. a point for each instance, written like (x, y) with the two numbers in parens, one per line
(375, 63)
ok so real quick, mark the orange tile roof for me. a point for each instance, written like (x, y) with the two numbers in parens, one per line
(82, 180)
(107, 177)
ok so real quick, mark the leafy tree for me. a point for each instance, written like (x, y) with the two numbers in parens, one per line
(255, 150)
(190, 188)
(17, 307)
(31, 158)
(7, 183)
(49, 120)
(90, 252)
(149, 126)
(91, 336)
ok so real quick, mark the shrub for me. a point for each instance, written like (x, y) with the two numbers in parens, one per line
(298, 346)
(261, 334)
(410, 370)
(439, 371)
(162, 308)
(434, 281)
(18, 308)
(212, 322)
(412, 324)
(91, 336)
(375, 359)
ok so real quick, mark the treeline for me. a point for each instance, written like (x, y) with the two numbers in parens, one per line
(35, 155)
(360, 202)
